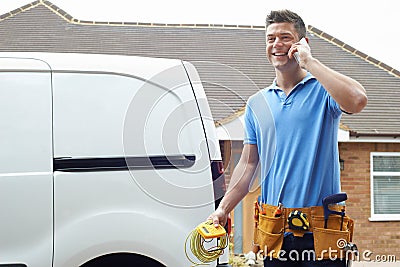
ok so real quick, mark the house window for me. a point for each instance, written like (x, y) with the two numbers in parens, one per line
(385, 186)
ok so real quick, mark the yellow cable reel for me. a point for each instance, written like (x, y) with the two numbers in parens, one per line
(204, 233)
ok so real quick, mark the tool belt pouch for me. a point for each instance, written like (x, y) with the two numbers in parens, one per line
(268, 234)
(329, 243)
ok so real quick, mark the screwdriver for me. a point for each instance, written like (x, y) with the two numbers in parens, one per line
(278, 211)
(342, 215)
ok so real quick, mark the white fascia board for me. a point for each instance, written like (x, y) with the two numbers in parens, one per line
(234, 130)
(343, 136)
(374, 139)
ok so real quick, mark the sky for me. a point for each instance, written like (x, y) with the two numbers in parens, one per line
(369, 26)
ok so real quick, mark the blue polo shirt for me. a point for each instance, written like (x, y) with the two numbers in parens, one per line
(296, 137)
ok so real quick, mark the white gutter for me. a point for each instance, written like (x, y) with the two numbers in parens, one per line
(234, 130)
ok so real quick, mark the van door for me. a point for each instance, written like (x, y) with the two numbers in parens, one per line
(26, 180)
(131, 164)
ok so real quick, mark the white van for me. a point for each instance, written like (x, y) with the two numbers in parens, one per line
(104, 160)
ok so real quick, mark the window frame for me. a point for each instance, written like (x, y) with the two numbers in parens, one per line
(381, 217)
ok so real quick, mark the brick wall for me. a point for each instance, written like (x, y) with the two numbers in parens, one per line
(381, 238)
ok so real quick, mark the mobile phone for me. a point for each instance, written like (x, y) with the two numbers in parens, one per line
(296, 54)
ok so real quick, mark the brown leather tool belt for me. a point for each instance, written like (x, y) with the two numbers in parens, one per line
(271, 223)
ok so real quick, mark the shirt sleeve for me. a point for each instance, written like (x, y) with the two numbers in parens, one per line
(334, 107)
(249, 129)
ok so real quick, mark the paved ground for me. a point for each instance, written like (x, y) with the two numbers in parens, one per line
(259, 263)
(361, 264)
(376, 264)
(357, 264)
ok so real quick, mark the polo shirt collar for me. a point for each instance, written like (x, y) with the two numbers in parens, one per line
(308, 77)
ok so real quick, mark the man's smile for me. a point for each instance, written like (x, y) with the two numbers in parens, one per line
(279, 54)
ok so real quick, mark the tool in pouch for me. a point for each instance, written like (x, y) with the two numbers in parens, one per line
(204, 233)
(334, 199)
(278, 211)
(297, 220)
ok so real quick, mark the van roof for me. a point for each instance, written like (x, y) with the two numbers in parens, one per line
(144, 67)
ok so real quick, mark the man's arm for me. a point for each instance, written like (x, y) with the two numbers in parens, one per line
(347, 92)
(239, 184)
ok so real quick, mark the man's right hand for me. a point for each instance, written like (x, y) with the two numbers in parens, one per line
(219, 217)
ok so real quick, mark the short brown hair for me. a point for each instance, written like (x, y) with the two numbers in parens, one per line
(285, 15)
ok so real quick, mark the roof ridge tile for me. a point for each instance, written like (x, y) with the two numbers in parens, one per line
(66, 16)
(19, 10)
(353, 50)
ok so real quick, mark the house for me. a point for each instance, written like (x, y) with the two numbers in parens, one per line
(231, 62)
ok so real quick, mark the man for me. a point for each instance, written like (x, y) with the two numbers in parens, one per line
(291, 129)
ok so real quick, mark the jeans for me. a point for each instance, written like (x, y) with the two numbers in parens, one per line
(298, 252)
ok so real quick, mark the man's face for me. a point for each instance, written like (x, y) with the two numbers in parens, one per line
(279, 38)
